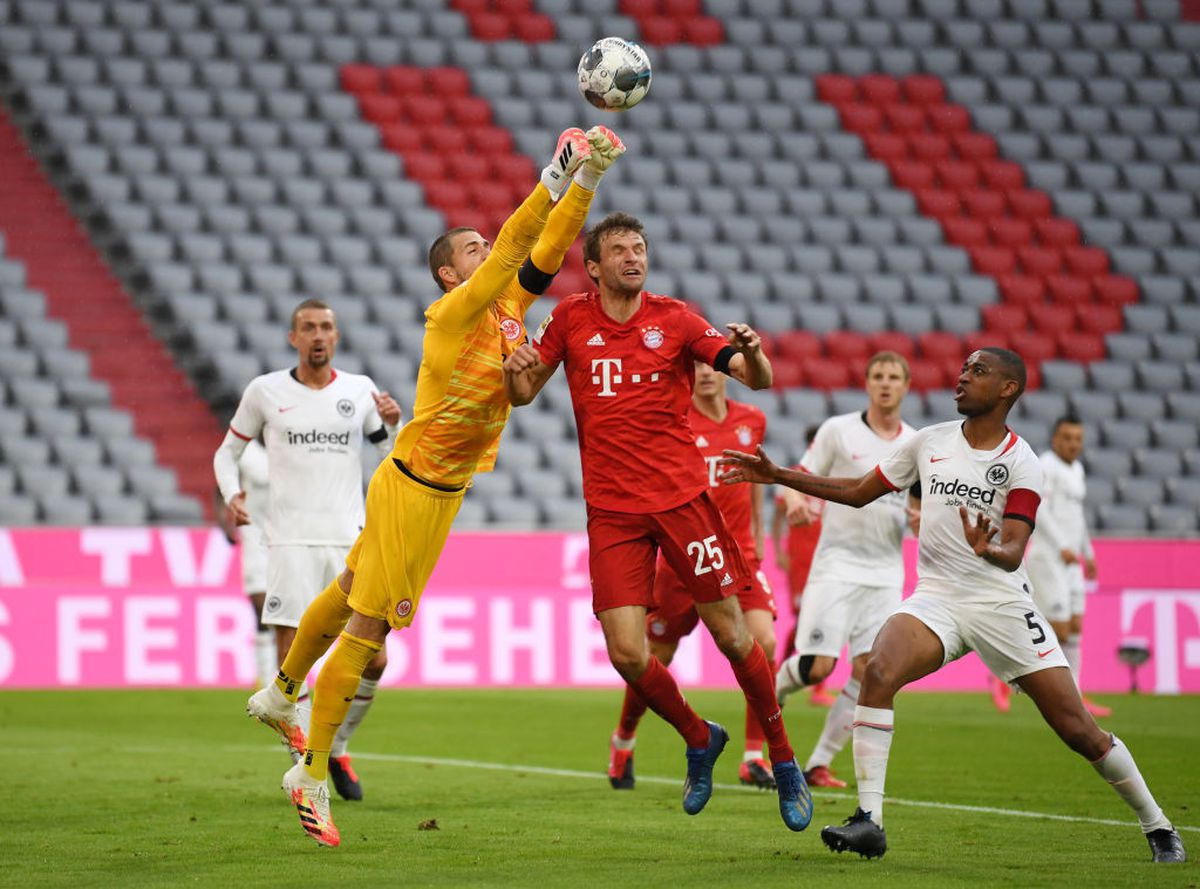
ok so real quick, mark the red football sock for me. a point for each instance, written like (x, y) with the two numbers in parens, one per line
(632, 711)
(662, 695)
(754, 733)
(757, 680)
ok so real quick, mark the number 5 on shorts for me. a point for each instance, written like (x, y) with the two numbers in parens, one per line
(1036, 627)
(706, 548)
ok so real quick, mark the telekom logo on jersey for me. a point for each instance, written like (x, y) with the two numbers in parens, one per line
(606, 373)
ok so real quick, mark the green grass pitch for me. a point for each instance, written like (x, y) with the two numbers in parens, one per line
(170, 788)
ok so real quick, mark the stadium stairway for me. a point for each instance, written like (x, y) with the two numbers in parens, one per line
(102, 321)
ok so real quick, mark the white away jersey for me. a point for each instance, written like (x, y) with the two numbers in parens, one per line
(860, 546)
(1062, 523)
(1006, 481)
(314, 443)
(253, 472)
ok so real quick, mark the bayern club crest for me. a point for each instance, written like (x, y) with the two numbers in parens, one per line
(510, 328)
(744, 436)
(652, 337)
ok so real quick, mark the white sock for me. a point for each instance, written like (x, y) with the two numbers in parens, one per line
(622, 743)
(1074, 657)
(265, 659)
(839, 722)
(1118, 769)
(872, 740)
(358, 709)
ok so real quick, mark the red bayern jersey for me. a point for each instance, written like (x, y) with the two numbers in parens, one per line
(631, 386)
(743, 429)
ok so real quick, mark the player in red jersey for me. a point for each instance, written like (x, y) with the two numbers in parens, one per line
(718, 423)
(629, 358)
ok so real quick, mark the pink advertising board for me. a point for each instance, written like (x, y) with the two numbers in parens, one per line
(115, 607)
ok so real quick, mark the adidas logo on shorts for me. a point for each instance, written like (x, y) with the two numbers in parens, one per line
(726, 580)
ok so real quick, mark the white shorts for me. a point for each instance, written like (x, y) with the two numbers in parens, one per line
(834, 613)
(1011, 637)
(254, 559)
(1058, 588)
(295, 576)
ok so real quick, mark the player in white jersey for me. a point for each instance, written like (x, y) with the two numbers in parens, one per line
(980, 488)
(313, 421)
(252, 472)
(1060, 555)
(857, 572)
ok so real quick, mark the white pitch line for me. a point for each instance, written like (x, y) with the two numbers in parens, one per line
(653, 779)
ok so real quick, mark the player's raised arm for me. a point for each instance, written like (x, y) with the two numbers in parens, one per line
(1007, 552)
(757, 467)
(525, 374)
(749, 364)
(468, 297)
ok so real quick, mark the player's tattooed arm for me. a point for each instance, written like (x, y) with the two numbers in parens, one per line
(757, 467)
(1007, 552)
(525, 374)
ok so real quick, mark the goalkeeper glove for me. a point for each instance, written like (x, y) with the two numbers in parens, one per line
(606, 148)
(570, 153)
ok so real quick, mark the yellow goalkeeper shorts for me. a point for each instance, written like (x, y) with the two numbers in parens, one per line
(406, 527)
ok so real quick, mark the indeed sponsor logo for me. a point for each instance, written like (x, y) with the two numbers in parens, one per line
(315, 437)
(954, 487)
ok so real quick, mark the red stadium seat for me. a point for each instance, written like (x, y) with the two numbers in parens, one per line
(1022, 290)
(490, 195)
(380, 108)
(1033, 347)
(1089, 261)
(472, 7)
(1008, 231)
(681, 8)
(977, 147)
(948, 118)
(1080, 346)
(1040, 260)
(534, 28)
(513, 168)
(879, 89)
(1030, 203)
(490, 27)
(904, 118)
(470, 111)
(567, 280)
(446, 194)
(512, 8)
(1051, 318)
(923, 89)
(448, 81)
(1069, 289)
(1033, 377)
(1057, 232)
(424, 166)
(640, 9)
(965, 231)
(704, 31)
(982, 339)
(787, 373)
(446, 140)
(425, 110)
(1004, 318)
(983, 203)
(938, 203)
(952, 367)
(939, 344)
(1003, 174)
(993, 261)
(913, 175)
(929, 146)
(498, 140)
(361, 78)
(1095, 318)
(957, 175)
(799, 344)
(470, 167)
(886, 147)
(471, 218)
(661, 30)
(860, 117)
(926, 375)
(401, 137)
(404, 80)
(893, 341)
(1115, 290)
(837, 89)
(847, 344)
(826, 373)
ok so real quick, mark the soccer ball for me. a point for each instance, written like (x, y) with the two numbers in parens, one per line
(614, 75)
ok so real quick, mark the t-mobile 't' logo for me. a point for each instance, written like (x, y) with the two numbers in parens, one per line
(609, 373)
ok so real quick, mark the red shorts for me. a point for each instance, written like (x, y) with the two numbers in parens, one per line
(693, 539)
(675, 615)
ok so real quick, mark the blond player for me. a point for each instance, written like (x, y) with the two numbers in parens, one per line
(460, 411)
